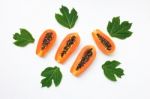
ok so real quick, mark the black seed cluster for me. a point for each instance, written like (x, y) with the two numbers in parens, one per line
(68, 45)
(47, 39)
(104, 42)
(85, 58)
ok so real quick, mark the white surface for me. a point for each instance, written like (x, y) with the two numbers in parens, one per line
(20, 68)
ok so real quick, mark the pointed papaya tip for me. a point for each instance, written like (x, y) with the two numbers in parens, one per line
(75, 73)
(40, 54)
(59, 61)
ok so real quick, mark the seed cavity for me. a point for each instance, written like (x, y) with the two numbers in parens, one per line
(85, 58)
(70, 42)
(104, 42)
(47, 39)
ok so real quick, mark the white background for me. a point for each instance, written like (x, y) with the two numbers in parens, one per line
(20, 68)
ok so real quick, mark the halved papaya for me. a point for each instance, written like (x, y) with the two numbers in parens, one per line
(67, 47)
(104, 43)
(83, 60)
(46, 41)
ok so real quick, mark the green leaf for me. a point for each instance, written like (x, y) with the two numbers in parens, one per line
(51, 74)
(57, 77)
(21, 43)
(119, 30)
(46, 82)
(23, 39)
(47, 72)
(111, 71)
(67, 19)
(73, 17)
(61, 20)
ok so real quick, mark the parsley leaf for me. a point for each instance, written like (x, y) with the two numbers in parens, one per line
(23, 39)
(67, 19)
(51, 74)
(119, 30)
(110, 70)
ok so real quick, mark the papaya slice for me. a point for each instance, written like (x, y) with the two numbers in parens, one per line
(67, 47)
(83, 60)
(46, 41)
(104, 43)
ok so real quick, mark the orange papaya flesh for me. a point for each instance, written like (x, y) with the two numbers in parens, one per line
(67, 47)
(83, 60)
(104, 43)
(46, 42)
